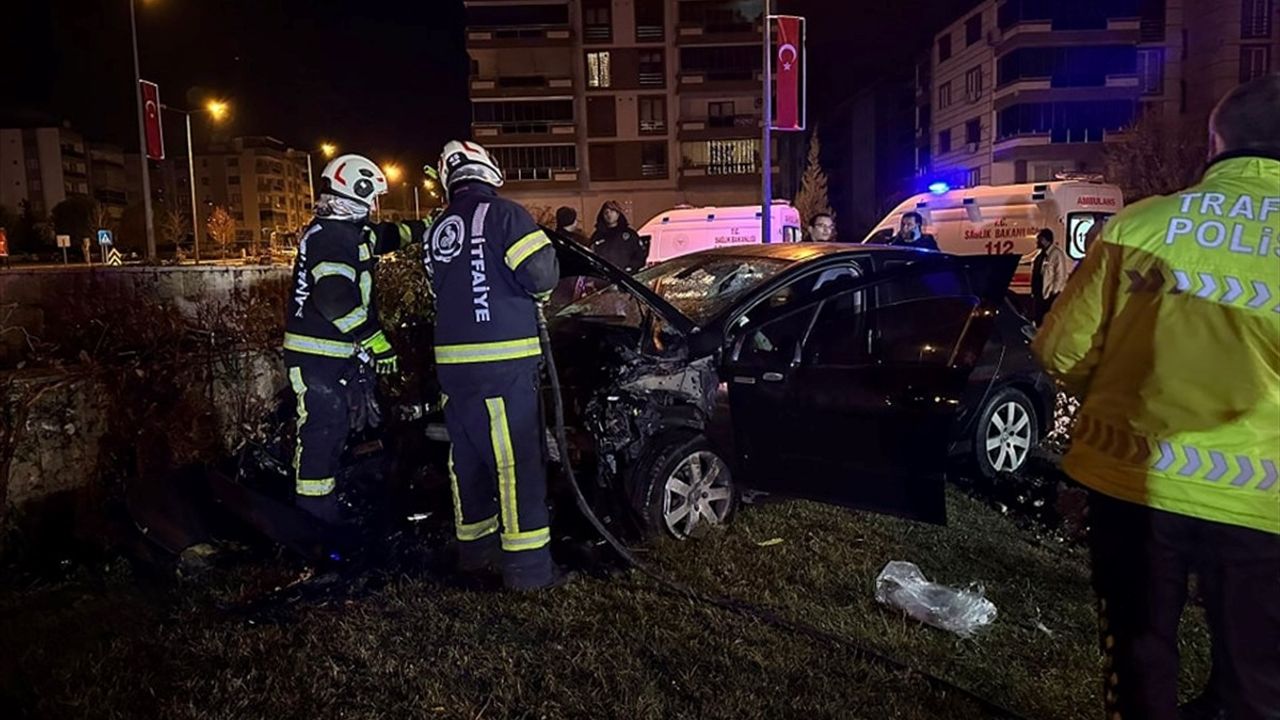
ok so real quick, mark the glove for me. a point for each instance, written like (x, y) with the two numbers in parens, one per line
(381, 355)
(362, 399)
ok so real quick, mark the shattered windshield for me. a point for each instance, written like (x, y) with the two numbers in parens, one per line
(699, 286)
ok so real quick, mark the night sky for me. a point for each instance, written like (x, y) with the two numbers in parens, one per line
(386, 79)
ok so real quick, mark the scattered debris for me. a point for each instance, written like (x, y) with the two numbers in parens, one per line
(963, 612)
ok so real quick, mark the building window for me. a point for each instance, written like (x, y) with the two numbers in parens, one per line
(1255, 20)
(650, 20)
(1255, 61)
(721, 62)
(597, 21)
(973, 30)
(602, 116)
(653, 160)
(973, 133)
(720, 114)
(1151, 71)
(944, 142)
(973, 177)
(923, 159)
(523, 117)
(653, 115)
(1087, 66)
(653, 69)
(973, 84)
(723, 157)
(1066, 122)
(535, 162)
(598, 70)
(944, 95)
(944, 48)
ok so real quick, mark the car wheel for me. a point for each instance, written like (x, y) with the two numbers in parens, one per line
(684, 488)
(1005, 434)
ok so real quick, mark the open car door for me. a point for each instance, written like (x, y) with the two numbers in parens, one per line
(862, 407)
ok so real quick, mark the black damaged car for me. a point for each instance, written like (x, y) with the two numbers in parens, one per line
(847, 374)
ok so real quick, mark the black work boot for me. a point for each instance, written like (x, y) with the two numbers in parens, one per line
(530, 571)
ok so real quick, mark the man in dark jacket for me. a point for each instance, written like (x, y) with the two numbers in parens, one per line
(333, 338)
(615, 241)
(911, 233)
(490, 266)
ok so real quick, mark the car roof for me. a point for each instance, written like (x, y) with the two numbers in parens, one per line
(797, 252)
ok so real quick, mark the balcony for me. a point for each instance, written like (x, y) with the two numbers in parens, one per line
(534, 132)
(650, 33)
(743, 82)
(520, 36)
(521, 86)
(721, 174)
(688, 33)
(720, 128)
(535, 178)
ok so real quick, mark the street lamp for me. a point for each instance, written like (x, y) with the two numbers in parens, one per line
(392, 171)
(328, 149)
(217, 110)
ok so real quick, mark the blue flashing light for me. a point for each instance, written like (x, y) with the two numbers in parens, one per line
(939, 188)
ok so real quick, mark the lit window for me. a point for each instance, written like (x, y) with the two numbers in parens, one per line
(598, 70)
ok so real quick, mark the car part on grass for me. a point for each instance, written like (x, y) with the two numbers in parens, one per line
(963, 612)
(1005, 433)
(732, 605)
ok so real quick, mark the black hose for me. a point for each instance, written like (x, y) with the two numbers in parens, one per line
(733, 605)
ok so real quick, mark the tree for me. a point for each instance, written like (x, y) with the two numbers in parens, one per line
(32, 233)
(75, 217)
(812, 199)
(1157, 156)
(222, 229)
(174, 227)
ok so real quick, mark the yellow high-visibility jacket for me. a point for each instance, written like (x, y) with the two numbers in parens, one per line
(1169, 332)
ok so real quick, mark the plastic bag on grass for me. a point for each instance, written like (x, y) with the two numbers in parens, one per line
(963, 612)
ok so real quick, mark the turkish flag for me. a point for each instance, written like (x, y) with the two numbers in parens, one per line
(151, 119)
(789, 73)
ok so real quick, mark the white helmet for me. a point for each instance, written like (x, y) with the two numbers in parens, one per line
(463, 160)
(354, 177)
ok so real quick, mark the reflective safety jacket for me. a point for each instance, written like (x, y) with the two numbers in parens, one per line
(333, 308)
(1170, 333)
(489, 262)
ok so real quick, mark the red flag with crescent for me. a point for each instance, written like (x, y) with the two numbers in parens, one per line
(789, 72)
(151, 119)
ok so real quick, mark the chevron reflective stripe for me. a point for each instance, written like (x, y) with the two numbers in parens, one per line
(318, 346)
(406, 234)
(314, 487)
(366, 288)
(477, 530)
(327, 269)
(366, 251)
(1222, 288)
(525, 247)
(1180, 460)
(529, 540)
(488, 352)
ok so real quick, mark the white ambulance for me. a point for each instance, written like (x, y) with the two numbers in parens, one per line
(687, 229)
(1004, 219)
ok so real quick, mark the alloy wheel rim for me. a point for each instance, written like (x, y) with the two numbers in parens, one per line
(1008, 437)
(697, 494)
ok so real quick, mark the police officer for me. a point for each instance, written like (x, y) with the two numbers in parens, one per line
(333, 339)
(1170, 333)
(490, 264)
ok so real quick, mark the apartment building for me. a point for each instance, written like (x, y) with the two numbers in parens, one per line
(262, 183)
(42, 166)
(1023, 90)
(1193, 51)
(652, 103)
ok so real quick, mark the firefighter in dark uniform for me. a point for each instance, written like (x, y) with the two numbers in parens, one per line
(333, 339)
(490, 265)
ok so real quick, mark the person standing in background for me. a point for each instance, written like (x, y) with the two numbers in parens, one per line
(1048, 274)
(616, 242)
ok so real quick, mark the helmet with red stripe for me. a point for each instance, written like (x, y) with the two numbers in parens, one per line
(354, 177)
(464, 161)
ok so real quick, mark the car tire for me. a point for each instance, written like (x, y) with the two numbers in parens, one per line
(1006, 432)
(682, 488)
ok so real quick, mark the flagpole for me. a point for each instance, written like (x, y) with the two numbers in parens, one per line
(766, 149)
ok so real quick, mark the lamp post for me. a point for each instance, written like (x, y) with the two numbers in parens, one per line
(766, 149)
(217, 110)
(142, 138)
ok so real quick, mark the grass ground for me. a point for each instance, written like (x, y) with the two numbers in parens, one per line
(105, 644)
